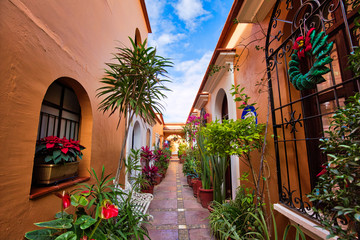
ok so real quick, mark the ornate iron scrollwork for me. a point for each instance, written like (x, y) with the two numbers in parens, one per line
(292, 122)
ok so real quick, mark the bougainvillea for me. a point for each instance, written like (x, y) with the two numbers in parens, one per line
(192, 126)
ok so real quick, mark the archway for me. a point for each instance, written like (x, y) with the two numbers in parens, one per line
(136, 136)
(175, 141)
(222, 113)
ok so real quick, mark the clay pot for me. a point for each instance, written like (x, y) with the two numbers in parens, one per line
(206, 196)
(196, 185)
(149, 189)
(157, 180)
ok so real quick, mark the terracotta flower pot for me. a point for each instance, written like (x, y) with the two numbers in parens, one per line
(198, 190)
(206, 196)
(149, 189)
(196, 186)
(157, 180)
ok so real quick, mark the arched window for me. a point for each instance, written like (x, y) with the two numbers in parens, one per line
(60, 113)
(60, 116)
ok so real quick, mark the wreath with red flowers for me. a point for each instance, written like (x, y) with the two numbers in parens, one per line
(314, 45)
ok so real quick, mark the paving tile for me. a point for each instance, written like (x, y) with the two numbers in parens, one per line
(163, 204)
(168, 234)
(192, 204)
(196, 217)
(200, 234)
(165, 188)
(164, 217)
(164, 195)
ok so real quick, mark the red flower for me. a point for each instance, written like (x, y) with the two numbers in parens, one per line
(108, 210)
(323, 171)
(85, 238)
(50, 145)
(65, 197)
(303, 45)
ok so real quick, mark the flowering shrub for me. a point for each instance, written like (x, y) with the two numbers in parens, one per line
(82, 225)
(58, 150)
(162, 159)
(336, 197)
(150, 173)
(192, 126)
(146, 155)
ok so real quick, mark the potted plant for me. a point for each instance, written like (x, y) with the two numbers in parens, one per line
(56, 159)
(150, 173)
(205, 193)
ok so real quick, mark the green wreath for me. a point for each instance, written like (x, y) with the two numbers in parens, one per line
(314, 45)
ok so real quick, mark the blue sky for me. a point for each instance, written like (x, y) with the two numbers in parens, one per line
(186, 31)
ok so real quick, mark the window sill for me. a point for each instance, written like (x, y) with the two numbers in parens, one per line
(310, 228)
(37, 192)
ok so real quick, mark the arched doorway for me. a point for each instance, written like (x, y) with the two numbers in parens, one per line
(222, 113)
(174, 140)
(136, 136)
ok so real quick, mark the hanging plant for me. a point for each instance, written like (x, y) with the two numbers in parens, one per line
(314, 45)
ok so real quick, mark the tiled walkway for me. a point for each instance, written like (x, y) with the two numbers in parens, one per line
(176, 212)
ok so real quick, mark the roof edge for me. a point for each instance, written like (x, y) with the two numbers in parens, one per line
(146, 16)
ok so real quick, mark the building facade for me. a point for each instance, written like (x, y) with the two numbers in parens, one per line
(53, 57)
(255, 48)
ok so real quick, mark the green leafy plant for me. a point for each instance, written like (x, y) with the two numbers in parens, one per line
(206, 159)
(134, 85)
(265, 234)
(336, 197)
(93, 204)
(231, 219)
(101, 213)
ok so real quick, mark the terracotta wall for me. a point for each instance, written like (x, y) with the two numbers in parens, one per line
(252, 76)
(42, 41)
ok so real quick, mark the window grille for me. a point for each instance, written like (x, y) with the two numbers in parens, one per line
(300, 117)
(60, 113)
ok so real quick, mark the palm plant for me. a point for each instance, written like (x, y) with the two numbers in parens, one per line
(134, 85)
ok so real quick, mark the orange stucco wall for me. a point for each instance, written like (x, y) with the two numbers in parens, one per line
(40, 42)
(251, 74)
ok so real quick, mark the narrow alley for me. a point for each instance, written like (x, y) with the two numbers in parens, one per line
(176, 212)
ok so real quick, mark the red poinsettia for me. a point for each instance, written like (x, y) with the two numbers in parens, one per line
(303, 45)
(65, 197)
(56, 150)
(108, 210)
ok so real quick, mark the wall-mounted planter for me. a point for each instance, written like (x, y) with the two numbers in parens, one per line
(52, 173)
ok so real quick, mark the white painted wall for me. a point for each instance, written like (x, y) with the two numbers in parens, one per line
(137, 130)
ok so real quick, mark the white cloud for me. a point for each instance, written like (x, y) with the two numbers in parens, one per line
(184, 88)
(191, 12)
(164, 43)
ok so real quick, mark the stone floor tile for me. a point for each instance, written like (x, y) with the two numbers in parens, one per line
(164, 217)
(163, 204)
(191, 204)
(165, 188)
(196, 217)
(168, 234)
(200, 234)
(164, 195)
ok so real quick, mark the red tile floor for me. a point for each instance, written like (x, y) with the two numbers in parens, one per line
(176, 212)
